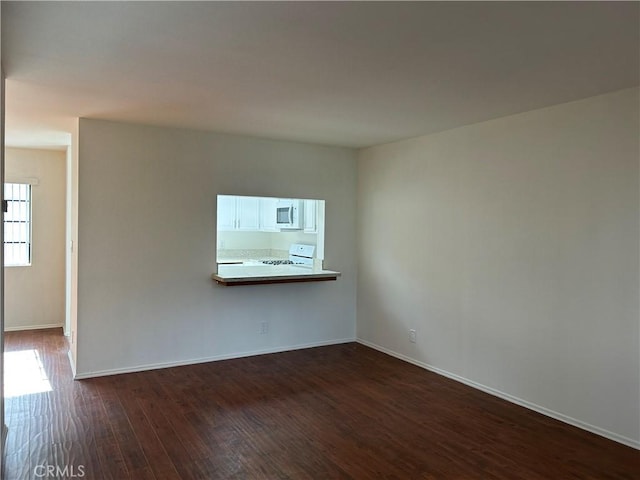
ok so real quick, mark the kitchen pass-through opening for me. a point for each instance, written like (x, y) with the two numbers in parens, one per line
(270, 231)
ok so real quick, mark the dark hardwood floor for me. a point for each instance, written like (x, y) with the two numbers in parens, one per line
(342, 411)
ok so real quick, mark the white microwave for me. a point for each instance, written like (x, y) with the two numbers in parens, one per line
(289, 214)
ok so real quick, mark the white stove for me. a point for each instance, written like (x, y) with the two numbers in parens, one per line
(299, 255)
(277, 262)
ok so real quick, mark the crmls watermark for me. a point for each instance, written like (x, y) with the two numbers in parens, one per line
(55, 471)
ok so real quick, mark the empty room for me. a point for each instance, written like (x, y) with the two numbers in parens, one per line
(313, 240)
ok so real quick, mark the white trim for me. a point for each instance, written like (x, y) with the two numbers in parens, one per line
(215, 358)
(32, 327)
(33, 181)
(5, 432)
(72, 363)
(510, 398)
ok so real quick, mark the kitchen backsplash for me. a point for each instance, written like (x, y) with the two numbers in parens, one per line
(252, 254)
(263, 240)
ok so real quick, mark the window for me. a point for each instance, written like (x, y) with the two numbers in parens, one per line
(17, 224)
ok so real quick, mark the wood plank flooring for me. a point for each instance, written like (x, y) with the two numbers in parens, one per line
(337, 412)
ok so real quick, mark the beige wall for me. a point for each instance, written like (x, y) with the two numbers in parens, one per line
(511, 246)
(35, 295)
(244, 240)
(147, 247)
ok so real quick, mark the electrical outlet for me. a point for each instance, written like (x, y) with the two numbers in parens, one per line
(412, 336)
(264, 328)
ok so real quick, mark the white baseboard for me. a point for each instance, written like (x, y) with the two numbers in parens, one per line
(32, 327)
(510, 398)
(215, 358)
(72, 363)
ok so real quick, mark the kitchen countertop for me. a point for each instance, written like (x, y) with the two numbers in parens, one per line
(239, 274)
(237, 260)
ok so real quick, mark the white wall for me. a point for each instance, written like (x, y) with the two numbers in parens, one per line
(283, 240)
(511, 246)
(147, 246)
(35, 295)
(71, 237)
(264, 240)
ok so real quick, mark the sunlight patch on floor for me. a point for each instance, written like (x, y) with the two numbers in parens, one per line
(24, 374)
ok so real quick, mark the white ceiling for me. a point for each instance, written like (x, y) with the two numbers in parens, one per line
(351, 74)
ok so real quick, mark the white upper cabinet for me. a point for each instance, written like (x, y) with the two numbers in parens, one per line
(258, 214)
(310, 216)
(226, 212)
(247, 213)
(268, 214)
(238, 213)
